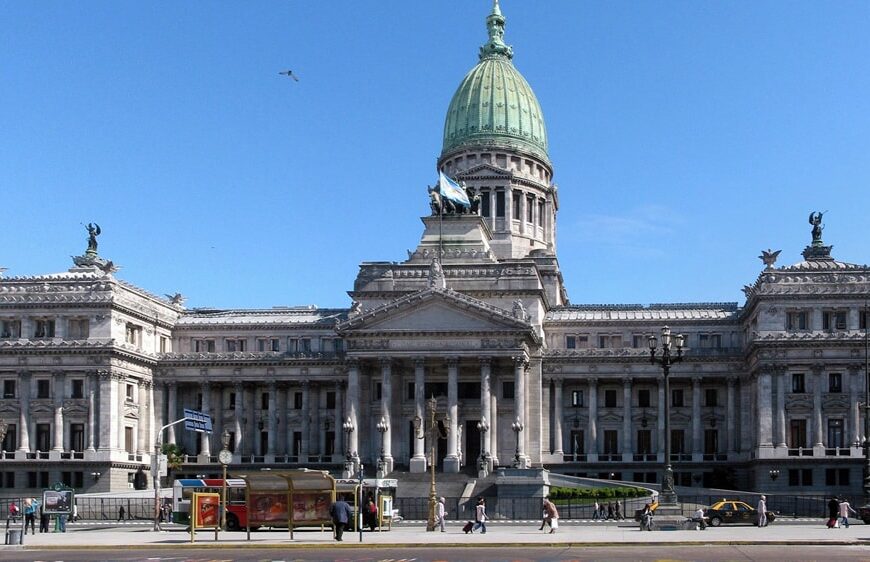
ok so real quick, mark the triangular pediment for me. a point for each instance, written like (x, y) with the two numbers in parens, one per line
(436, 310)
(485, 170)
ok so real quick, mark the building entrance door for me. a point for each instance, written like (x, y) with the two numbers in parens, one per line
(471, 450)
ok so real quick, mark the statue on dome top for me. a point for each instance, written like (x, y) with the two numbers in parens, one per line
(93, 231)
(816, 221)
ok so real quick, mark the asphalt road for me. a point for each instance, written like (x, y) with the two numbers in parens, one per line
(669, 553)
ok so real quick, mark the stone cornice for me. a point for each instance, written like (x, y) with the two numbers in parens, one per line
(269, 359)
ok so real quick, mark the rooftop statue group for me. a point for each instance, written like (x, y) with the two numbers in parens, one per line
(442, 205)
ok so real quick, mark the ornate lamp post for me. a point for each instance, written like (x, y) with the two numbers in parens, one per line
(433, 433)
(517, 428)
(668, 495)
(382, 428)
(225, 457)
(348, 428)
(773, 473)
(483, 427)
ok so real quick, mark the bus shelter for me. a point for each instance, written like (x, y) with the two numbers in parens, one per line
(295, 498)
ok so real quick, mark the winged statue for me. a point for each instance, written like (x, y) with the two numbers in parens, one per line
(769, 257)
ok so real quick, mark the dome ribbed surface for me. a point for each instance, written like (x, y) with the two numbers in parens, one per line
(495, 106)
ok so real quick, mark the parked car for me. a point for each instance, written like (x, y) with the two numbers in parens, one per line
(734, 511)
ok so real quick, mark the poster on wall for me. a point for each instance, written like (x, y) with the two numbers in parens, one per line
(206, 511)
(311, 507)
(267, 507)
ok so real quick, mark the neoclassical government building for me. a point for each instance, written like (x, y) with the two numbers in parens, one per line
(478, 317)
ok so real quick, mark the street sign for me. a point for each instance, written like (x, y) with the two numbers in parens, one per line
(197, 421)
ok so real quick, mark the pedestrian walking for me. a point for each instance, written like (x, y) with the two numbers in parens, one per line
(480, 516)
(646, 515)
(762, 511)
(833, 512)
(596, 511)
(698, 518)
(551, 515)
(341, 514)
(30, 508)
(121, 513)
(75, 513)
(618, 511)
(43, 520)
(440, 512)
(610, 510)
(845, 508)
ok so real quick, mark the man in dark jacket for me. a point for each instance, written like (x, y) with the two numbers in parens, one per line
(341, 515)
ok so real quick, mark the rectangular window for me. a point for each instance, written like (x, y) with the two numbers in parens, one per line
(468, 390)
(797, 383)
(130, 393)
(833, 320)
(485, 210)
(410, 392)
(864, 318)
(330, 400)
(43, 388)
(644, 442)
(610, 341)
(711, 396)
(232, 404)
(709, 340)
(128, 440)
(835, 382)
(499, 204)
(836, 436)
(77, 436)
(677, 398)
(264, 401)
(507, 390)
(10, 329)
(305, 345)
(610, 399)
(78, 329)
(577, 443)
(643, 398)
(611, 442)
(571, 342)
(530, 210)
(577, 398)
(43, 329)
(711, 441)
(78, 388)
(233, 345)
(133, 334)
(8, 389)
(797, 435)
(164, 344)
(10, 442)
(435, 389)
(541, 213)
(376, 391)
(639, 341)
(796, 321)
(516, 198)
(43, 437)
(678, 441)
(203, 346)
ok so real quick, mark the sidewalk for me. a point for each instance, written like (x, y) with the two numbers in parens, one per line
(92, 537)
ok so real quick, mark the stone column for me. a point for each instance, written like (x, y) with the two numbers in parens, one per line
(780, 408)
(745, 431)
(493, 428)
(418, 461)
(92, 414)
(155, 404)
(353, 406)
(316, 439)
(306, 421)
(730, 422)
(593, 421)
(253, 425)
(660, 419)
(451, 460)
(764, 415)
(109, 410)
(485, 399)
(283, 406)
(818, 430)
(339, 421)
(557, 418)
(59, 380)
(119, 383)
(273, 416)
(204, 438)
(697, 448)
(626, 420)
(239, 418)
(386, 411)
(854, 410)
(520, 402)
(142, 424)
(172, 405)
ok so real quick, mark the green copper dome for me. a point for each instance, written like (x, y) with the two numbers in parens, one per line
(494, 105)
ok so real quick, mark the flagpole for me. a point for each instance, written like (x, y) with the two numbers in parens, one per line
(440, 225)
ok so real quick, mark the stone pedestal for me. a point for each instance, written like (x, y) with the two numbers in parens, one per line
(451, 464)
(669, 517)
(459, 237)
(418, 465)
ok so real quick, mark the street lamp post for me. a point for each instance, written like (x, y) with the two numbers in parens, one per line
(382, 428)
(483, 427)
(517, 428)
(348, 428)
(866, 403)
(668, 495)
(773, 473)
(433, 433)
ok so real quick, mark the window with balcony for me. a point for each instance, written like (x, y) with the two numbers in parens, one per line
(10, 442)
(834, 320)
(609, 341)
(43, 328)
(711, 396)
(639, 341)
(232, 400)
(677, 400)
(234, 344)
(644, 442)
(268, 344)
(678, 441)
(299, 345)
(571, 342)
(485, 205)
(264, 401)
(516, 196)
(836, 435)
(297, 400)
(499, 203)
(797, 321)
(797, 434)
(330, 400)
(797, 383)
(77, 436)
(130, 392)
(78, 388)
(9, 388)
(43, 437)
(835, 382)
(708, 341)
(530, 210)
(133, 334)
(643, 400)
(611, 442)
(164, 345)
(711, 441)
(576, 398)
(10, 329)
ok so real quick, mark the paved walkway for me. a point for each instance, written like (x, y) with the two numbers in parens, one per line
(80, 536)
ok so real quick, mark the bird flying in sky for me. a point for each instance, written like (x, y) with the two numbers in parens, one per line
(289, 73)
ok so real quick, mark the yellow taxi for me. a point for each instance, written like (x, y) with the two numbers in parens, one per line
(733, 511)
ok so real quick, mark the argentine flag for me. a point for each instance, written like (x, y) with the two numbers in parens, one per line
(451, 190)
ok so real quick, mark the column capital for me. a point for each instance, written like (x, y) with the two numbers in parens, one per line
(731, 380)
(817, 368)
(419, 362)
(521, 361)
(385, 361)
(558, 381)
(485, 360)
(696, 380)
(626, 382)
(273, 385)
(593, 381)
(352, 363)
(452, 361)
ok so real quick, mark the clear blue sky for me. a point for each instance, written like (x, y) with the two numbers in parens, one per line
(686, 137)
